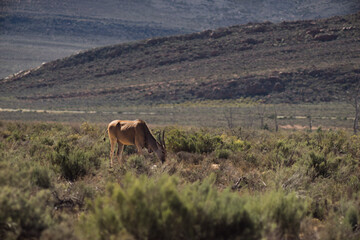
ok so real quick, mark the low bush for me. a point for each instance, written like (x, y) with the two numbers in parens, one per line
(352, 217)
(222, 153)
(73, 162)
(60, 231)
(138, 163)
(343, 224)
(23, 215)
(318, 165)
(41, 177)
(159, 209)
(233, 143)
(281, 214)
(148, 208)
(198, 142)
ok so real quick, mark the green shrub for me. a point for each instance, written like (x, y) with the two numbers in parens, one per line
(319, 208)
(73, 162)
(75, 165)
(353, 146)
(61, 231)
(138, 163)
(251, 157)
(318, 165)
(160, 209)
(47, 141)
(233, 143)
(223, 153)
(198, 142)
(23, 215)
(207, 143)
(351, 217)
(343, 224)
(148, 208)
(334, 142)
(280, 214)
(40, 176)
(39, 152)
(353, 182)
(219, 214)
(178, 141)
(86, 128)
(329, 141)
(17, 135)
(16, 132)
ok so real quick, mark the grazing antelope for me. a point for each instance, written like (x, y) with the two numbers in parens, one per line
(124, 132)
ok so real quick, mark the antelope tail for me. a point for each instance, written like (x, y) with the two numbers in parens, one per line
(105, 135)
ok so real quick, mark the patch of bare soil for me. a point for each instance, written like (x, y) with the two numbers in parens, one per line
(300, 127)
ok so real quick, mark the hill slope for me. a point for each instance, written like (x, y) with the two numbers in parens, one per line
(32, 32)
(300, 61)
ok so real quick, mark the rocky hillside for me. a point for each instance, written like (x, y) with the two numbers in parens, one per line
(32, 32)
(299, 61)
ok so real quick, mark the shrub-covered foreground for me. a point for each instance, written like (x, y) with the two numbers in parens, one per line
(149, 208)
(55, 183)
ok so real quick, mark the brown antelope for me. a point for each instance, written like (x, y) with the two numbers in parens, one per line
(124, 132)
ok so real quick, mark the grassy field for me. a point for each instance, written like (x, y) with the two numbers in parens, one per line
(56, 183)
(243, 113)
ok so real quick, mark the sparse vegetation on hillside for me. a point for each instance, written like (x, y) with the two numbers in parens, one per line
(249, 183)
(292, 62)
(34, 32)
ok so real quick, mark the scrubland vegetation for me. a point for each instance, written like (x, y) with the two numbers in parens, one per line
(56, 183)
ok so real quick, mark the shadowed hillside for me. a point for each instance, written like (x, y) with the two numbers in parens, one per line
(292, 62)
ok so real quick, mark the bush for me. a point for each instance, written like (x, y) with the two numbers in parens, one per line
(343, 224)
(223, 153)
(285, 211)
(138, 163)
(353, 146)
(73, 163)
(234, 144)
(40, 176)
(159, 209)
(351, 217)
(163, 209)
(23, 215)
(198, 142)
(47, 141)
(329, 141)
(178, 141)
(318, 165)
(60, 231)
